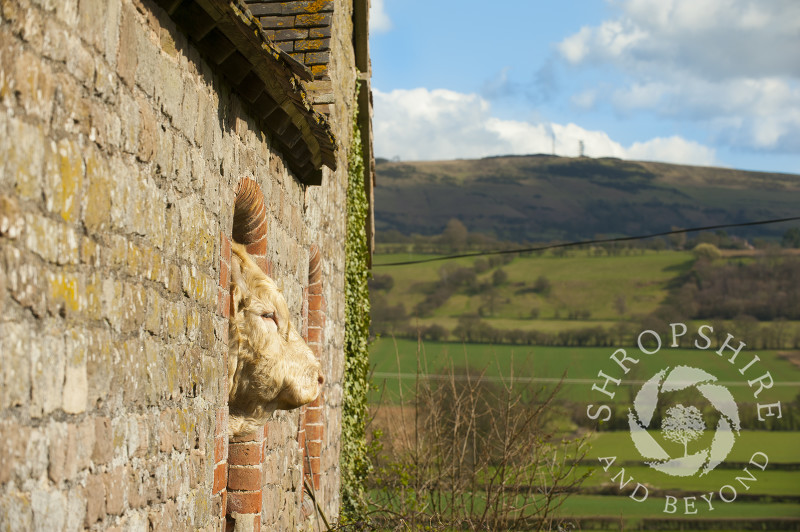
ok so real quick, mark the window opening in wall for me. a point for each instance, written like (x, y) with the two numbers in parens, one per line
(245, 453)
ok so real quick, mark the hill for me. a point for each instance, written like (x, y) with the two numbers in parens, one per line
(542, 197)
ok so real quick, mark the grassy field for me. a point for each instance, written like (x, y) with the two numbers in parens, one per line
(613, 290)
(775, 495)
(579, 366)
(781, 447)
(580, 281)
(623, 507)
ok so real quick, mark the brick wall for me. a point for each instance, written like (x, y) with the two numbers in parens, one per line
(121, 155)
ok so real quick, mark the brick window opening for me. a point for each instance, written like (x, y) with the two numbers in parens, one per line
(311, 432)
(241, 492)
(239, 460)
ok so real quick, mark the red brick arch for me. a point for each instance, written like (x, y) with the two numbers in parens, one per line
(310, 435)
(250, 221)
(238, 471)
(239, 460)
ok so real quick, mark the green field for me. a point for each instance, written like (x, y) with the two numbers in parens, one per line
(626, 509)
(772, 502)
(579, 365)
(580, 282)
(609, 291)
(781, 447)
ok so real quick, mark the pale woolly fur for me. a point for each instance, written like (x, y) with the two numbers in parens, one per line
(270, 367)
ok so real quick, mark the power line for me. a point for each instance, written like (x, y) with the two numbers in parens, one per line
(587, 242)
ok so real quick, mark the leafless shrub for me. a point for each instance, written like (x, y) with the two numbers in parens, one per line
(466, 451)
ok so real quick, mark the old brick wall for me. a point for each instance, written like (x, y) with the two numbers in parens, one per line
(121, 152)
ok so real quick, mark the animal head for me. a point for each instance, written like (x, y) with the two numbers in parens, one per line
(270, 367)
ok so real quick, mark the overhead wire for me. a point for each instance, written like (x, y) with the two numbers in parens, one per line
(585, 242)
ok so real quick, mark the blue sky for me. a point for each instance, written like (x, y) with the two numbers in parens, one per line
(708, 82)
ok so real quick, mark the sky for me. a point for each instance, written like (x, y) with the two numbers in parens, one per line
(703, 82)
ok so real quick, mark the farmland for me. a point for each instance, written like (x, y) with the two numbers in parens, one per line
(547, 364)
(771, 502)
(624, 292)
(580, 281)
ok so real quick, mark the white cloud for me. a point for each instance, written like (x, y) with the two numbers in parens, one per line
(673, 150)
(421, 124)
(720, 63)
(711, 39)
(379, 20)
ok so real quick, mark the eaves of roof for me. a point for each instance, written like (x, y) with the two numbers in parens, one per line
(266, 78)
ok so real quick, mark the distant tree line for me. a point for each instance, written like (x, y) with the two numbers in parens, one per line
(456, 238)
(756, 296)
(766, 289)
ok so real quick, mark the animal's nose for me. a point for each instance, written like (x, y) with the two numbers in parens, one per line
(320, 379)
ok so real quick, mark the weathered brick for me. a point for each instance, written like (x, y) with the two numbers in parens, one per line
(247, 478)
(314, 448)
(15, 511)
(244, 502)
(244, 454)
(220, 477)
(314, 432)
(286, 46)
(290, 34)
(49, 509)
(91, 15)
(307, 45)
(321, 72)
(313, 19)
(103, 449)
(54, 242)
(25, 160)
(99, 365)
(76, 385)
(264, 8)
(15, 344)
(96, 502)
(47, 358)
(115, 483)
(307, 6)
(319, 33)
(64, 178)
(316, 58)
(76, 507)
(166, 431)
(80, 63)
(148, 133)
(97, 209)
(277, 22)
(34, 85)
(169, 89)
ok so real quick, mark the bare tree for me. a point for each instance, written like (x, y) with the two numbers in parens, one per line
(469, 452)
(683, 424)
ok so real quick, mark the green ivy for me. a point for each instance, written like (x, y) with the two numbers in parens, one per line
(354, 461)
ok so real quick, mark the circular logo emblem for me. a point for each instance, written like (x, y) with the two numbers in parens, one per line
(683, 424)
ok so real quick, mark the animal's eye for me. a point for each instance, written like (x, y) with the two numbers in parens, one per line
(270, 316)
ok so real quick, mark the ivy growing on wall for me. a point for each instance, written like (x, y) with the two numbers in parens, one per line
(354, 462)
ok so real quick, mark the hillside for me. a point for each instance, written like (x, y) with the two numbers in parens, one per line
(542, 197)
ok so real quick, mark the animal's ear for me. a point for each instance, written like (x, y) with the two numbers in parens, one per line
(238, 286)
